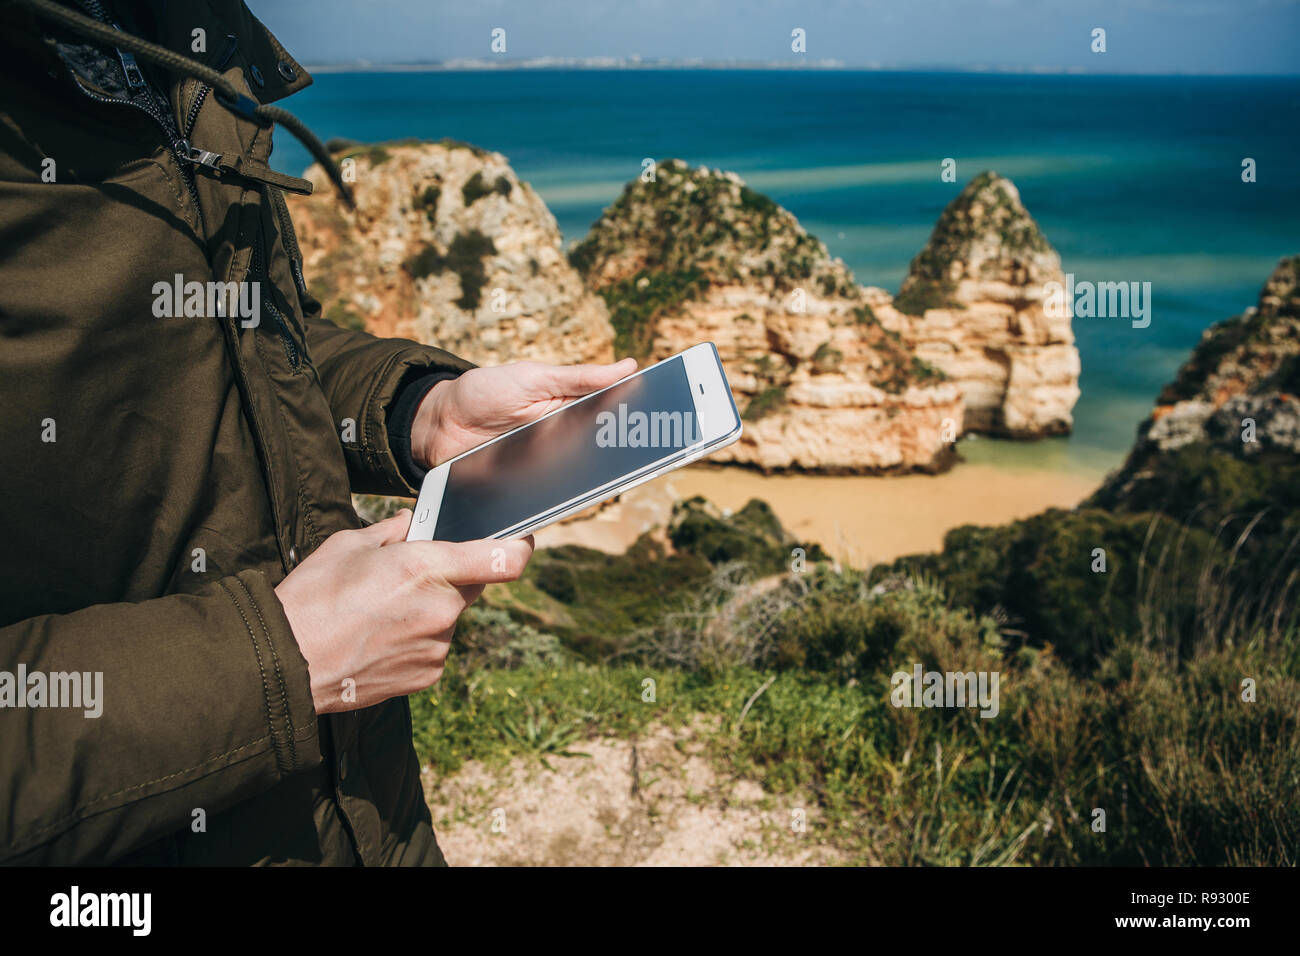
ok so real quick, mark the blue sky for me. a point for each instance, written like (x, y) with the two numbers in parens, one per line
(1142, 36)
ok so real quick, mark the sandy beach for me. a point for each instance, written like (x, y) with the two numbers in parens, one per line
(861, 520)
(866, 520)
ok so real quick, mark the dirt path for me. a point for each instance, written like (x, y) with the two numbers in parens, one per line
(652, 802)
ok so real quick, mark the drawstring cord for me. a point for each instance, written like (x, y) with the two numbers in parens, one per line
(226, 92)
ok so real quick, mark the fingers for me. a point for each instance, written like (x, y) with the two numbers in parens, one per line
(573, 380)
(389, 530)
(472, 562)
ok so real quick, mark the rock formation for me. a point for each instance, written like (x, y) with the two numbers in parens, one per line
(822, 381)
(447, 246)
(974, 299)
(1236, 395)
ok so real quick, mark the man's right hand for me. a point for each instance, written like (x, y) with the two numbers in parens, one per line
(375, 609)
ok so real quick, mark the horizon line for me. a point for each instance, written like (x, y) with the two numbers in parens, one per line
(631, 64)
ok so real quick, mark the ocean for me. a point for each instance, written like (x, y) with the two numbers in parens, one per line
(1133, 179)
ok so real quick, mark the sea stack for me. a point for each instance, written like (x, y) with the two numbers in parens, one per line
(973, 303)
(823, 382)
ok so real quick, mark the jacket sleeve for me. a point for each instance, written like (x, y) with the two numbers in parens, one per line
(203, 701)
(361, 375)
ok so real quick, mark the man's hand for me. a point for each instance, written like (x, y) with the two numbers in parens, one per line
(371, 608)
(483, 403)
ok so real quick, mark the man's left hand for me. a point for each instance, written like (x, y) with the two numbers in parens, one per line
(483, 403)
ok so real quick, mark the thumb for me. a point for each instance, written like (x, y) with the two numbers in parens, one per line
(390, 530)
(567, 380)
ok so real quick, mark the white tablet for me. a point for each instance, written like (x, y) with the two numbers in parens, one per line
(583, 453)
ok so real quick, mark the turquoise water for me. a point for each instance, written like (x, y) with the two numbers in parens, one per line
(1131, 178)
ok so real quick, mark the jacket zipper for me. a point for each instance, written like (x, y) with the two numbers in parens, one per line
(259, 273)
(193, 116)
(136, 82)
(202, 92)
(182, 152)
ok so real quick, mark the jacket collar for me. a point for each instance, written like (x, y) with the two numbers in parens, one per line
(270, 71)
(217, 33)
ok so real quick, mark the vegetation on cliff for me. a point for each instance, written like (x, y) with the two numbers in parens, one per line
(464, 257)
(665, 241)
(985, 233)
(708, 221)
(635, 302)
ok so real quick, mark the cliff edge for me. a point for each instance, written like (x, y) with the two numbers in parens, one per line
(447, 246)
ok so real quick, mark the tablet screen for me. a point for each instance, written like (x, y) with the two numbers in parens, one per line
(634, 424)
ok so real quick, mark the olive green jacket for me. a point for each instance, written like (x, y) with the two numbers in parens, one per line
(162, 473)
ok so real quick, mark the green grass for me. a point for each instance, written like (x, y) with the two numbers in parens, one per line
(1186, 772)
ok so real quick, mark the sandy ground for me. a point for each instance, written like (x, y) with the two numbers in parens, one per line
(655, 801)
(861, 520)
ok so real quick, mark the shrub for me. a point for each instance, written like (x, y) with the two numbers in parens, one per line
(769, 400)
(428, 201)
(756, 202)
(428, 261)
(752, 536)
(918, 295)
(344, 317)
(1039, 573)
(923, 372)
(474, 189)
(720, 626)
(634, 304)
(604, 598)
(827, 358)
(559, 581)
(464, 257)
(491, 638)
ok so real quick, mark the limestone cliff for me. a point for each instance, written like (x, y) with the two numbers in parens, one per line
(974, 299)
(821, 379)
(1235, 396)
(447, 246)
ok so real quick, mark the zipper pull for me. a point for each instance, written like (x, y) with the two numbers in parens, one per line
(134, 78)
(134, 75)
(201, 157)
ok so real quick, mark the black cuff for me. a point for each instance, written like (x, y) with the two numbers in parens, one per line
(401, 416)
